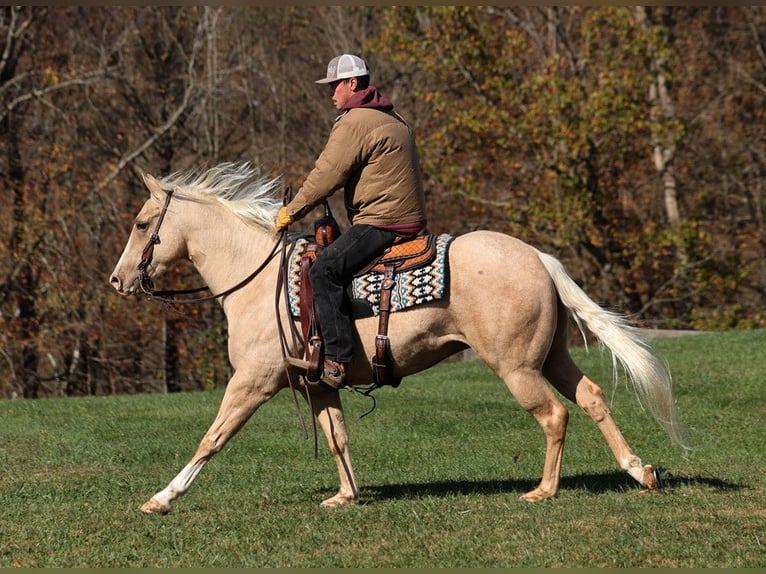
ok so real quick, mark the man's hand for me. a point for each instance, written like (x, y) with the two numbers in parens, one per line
(283, 219)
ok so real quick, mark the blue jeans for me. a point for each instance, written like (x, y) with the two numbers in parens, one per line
(332, 271)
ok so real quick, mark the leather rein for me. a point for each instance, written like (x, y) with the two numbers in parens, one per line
(147, 285)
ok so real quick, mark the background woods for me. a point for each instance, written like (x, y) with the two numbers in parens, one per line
(627, 141)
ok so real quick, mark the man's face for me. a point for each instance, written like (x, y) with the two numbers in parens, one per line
(341, 91)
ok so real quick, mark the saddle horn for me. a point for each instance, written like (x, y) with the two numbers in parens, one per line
(326, 229)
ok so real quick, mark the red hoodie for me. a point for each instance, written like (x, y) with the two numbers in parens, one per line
(368, 98)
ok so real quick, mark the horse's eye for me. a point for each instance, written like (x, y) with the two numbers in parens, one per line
(142, 226)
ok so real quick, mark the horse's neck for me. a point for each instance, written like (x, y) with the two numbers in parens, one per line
(224, 249)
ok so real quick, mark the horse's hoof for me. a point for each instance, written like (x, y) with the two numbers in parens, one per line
(535, 495)
(154, 507)
(651, 479)
(338, 500)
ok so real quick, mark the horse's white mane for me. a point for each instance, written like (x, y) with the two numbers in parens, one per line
(241, 187)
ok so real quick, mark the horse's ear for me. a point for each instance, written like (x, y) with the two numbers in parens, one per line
(154, 186)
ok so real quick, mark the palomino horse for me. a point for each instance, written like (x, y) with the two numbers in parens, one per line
(222, 220)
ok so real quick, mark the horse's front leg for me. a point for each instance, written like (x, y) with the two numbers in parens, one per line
(328, 410)
(244, 394)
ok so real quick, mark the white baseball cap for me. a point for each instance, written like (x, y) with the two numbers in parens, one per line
(344, 66)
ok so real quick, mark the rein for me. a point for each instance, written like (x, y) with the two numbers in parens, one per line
(147, 285)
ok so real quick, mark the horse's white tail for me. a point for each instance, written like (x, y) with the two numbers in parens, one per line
(650, 378)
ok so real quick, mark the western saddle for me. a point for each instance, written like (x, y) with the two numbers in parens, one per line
(402, 256)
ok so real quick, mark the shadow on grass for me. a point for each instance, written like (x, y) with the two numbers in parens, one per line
(593, 483)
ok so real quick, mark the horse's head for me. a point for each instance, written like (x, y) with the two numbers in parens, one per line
(154, 243)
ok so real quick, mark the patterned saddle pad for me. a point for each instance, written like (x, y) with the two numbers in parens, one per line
(411, 287)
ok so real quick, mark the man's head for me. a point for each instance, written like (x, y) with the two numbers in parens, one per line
(346, 74)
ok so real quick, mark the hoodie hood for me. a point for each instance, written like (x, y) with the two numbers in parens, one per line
(369, 98)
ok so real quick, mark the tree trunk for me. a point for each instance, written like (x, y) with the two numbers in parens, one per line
(663, 112)
(22, 284)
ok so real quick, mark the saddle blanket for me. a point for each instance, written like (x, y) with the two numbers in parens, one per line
(411, 287)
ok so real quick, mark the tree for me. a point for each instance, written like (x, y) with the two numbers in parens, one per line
(626, 140)
(99, 103)
(566, 119)
(35, 77)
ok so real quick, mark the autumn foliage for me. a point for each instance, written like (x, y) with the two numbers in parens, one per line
(628, 141)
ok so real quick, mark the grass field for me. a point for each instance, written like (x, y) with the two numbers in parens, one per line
(441, 462)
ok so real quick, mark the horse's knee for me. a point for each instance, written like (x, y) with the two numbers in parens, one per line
(211, 444)
(338, 445)
(207, 449)
(337, 437)
(333, 424)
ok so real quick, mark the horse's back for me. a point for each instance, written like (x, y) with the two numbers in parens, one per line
(496, 259)
(501, 302)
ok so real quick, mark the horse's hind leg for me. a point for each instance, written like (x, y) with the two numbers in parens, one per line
(532, 393)
(240, 401)
(570, 381)
(328, 410)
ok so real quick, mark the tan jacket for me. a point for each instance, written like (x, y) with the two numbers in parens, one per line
(372, 155)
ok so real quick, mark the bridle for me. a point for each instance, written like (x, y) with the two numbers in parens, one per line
(147, 285)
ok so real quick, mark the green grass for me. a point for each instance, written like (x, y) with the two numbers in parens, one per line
(441, 462)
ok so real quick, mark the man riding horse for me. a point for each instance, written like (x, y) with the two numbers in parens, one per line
(371, 154)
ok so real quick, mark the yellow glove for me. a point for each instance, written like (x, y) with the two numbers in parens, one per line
(283, 219)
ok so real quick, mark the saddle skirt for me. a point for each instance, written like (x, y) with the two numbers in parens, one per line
(422, 276)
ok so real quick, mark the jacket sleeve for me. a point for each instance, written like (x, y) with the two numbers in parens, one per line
(342, 156)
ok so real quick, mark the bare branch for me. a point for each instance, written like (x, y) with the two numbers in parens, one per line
(160, 131)
(40, 93)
